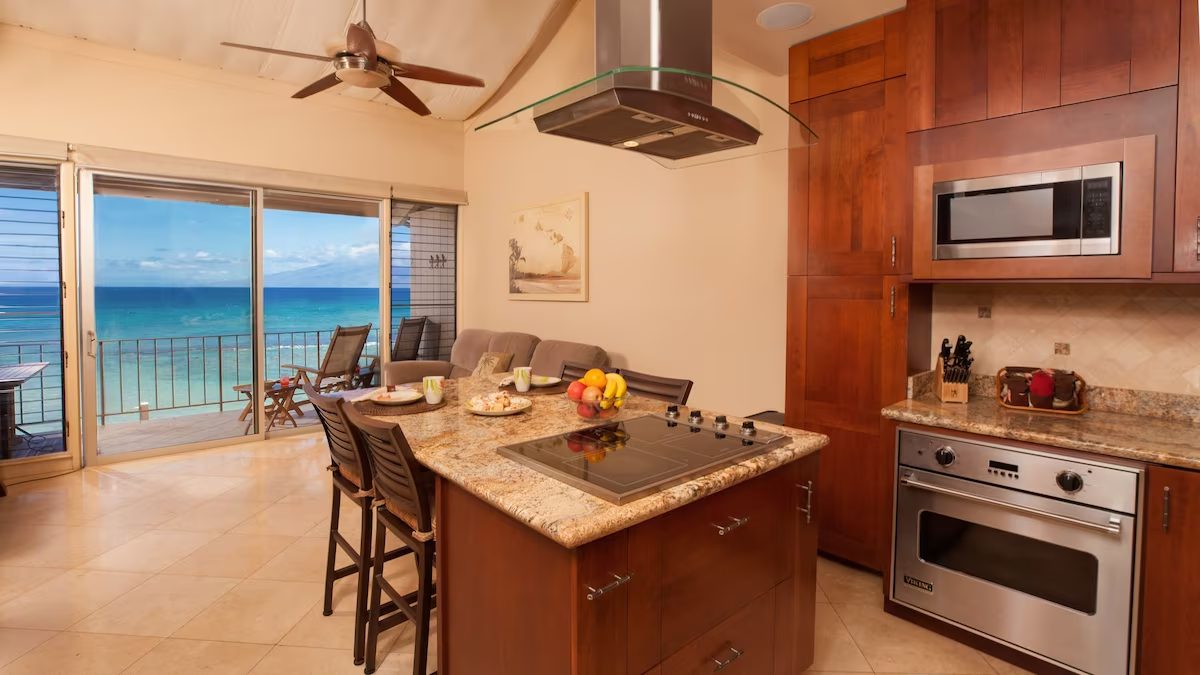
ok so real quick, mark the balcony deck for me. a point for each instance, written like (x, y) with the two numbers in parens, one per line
(119, 437)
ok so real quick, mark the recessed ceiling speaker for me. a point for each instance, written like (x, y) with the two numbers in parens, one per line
(785, 16)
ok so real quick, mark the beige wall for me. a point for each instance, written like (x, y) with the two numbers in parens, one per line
(688, 267)
(64, 89)
(1133, 337)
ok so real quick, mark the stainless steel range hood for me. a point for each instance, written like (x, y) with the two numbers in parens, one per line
(654, 90)
(668, 114)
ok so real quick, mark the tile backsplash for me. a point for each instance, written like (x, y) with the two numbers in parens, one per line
(1129, 336)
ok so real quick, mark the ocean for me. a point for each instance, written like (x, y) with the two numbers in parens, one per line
(181, 350)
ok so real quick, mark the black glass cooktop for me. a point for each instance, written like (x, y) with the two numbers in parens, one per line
(628, 459)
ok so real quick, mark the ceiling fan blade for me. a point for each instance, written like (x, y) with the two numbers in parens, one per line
(404, 96)
(416, 72)
(359, 40)
(280, 52)
(320, 85)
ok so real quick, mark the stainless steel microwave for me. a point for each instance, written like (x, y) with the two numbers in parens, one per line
(1064, 212)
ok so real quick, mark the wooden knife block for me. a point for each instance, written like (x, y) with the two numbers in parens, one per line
(949, 392)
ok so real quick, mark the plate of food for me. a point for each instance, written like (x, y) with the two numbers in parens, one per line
(497, 404)
(544, 380)
(401, 396)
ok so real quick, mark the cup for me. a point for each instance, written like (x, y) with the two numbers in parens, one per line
(521, 378)
(433, 386)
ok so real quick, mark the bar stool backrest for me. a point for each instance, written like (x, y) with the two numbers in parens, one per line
(405, 486)
(351, 459)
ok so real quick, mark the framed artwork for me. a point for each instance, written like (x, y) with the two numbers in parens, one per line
(548, 252)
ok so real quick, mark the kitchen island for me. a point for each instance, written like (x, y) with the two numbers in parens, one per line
(537, 577)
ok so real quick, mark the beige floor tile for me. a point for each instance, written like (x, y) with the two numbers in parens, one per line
(147, 512)
(67, 598)
(303, 560)
(893, 645)
(82, 654)
(287, 518)
(232, 555)
(266, 489)
(1003, 667)
(199, 657)
(215, 515)
(16, 580)
(835, 650)
(284, 660)
(60, 545)
(15, 642)
(256, 610)
(821, 597)
(150, 552)
(159, 607)
(206, 487)
(845, 584)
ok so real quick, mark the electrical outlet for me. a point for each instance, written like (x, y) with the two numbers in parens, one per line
(1062, 348)
(985, 312)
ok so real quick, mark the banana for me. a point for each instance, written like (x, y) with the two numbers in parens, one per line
(610, 387)
(622, 387)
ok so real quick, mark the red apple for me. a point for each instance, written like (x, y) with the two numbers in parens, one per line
(608, 413)
(592, 394)
(575, 391)
(586, 410)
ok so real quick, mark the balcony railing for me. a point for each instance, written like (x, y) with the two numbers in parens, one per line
(137, 376)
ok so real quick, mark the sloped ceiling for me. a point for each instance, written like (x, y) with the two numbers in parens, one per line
(485, 38)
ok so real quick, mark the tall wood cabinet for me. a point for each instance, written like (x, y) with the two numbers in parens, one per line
(849, 248)
(1170, 603)
(1187, 197)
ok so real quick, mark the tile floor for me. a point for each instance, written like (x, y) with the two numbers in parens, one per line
(211, 562)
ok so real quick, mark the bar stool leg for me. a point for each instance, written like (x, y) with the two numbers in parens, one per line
(331, 558)
(424, 606)
(377, 559)
(365, 558)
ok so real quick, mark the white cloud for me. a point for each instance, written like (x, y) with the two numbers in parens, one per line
(201, 255)
(150, 264)
(365, 249)
(271, 253)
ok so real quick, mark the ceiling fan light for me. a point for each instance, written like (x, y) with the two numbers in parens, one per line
(785, 16)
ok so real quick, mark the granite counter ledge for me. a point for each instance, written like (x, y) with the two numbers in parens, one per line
(1141, 438)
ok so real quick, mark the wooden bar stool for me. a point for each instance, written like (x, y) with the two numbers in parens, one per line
(667, 389)
(404, 507)
(351, 470)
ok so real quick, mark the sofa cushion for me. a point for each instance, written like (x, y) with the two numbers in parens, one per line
(492, 362)
(549, 356)
(520, 345)
(470, 344)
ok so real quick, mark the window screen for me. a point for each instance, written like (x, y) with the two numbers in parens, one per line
(424, 261)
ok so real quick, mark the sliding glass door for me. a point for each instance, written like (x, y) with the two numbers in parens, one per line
(169, 314)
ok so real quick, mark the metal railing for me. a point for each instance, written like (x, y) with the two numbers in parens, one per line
(39, 399)
(142, 375)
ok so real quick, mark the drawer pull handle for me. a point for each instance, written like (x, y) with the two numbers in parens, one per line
(719, 665)
(807, 508)
(733, 524)
(617, 582)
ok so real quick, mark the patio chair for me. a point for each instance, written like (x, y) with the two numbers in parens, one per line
(408, 338)
(336, 372)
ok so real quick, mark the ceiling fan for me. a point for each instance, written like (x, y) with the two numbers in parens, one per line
(366, 61)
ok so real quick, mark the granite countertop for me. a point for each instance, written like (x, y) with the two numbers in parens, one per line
(1143, 438)
(461, 447)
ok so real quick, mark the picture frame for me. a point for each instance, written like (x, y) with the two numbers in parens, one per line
(548, 251)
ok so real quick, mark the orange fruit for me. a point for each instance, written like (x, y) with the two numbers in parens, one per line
(595, 378)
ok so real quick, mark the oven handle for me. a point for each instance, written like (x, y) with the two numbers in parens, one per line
(1111, 527)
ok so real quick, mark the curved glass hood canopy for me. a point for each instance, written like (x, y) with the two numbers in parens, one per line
(675, 116)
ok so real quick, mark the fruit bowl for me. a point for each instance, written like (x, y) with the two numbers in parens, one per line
(604, 409)
(598, 395)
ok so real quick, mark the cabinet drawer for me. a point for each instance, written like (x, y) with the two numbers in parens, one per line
(707, 574)
(745, 641)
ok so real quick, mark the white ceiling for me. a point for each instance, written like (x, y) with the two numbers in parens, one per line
(485, 38)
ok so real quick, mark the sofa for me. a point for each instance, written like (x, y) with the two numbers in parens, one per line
(545, 357)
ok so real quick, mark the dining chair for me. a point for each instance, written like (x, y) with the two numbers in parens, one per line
(408, 338)
(653, 386)
(336, 371)
(403, 506)
(573, 371)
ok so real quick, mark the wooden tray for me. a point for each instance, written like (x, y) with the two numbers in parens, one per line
(1080, 391)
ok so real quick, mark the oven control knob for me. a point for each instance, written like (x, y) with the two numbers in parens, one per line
(1069, 481)
(944, 455)
(695, 416)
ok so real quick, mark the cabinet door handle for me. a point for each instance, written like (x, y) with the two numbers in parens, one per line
(733, 524)
(894, 250)
(722, 664)
(1166, 522)
(807, 508)
(892, 303)
(618, 581)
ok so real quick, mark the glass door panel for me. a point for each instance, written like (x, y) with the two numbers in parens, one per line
(169, 311)
(320, 271)
(31, 320)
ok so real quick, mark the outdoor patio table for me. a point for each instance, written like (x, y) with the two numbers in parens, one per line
(12, 377)
(278, 403)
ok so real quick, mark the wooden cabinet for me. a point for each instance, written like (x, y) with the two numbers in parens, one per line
(679, 591)
(1187, 197)
(1170, 642)
(867, 52)
(969, 60)
(856, 179)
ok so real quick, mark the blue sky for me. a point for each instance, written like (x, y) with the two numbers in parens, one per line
(145, 242)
